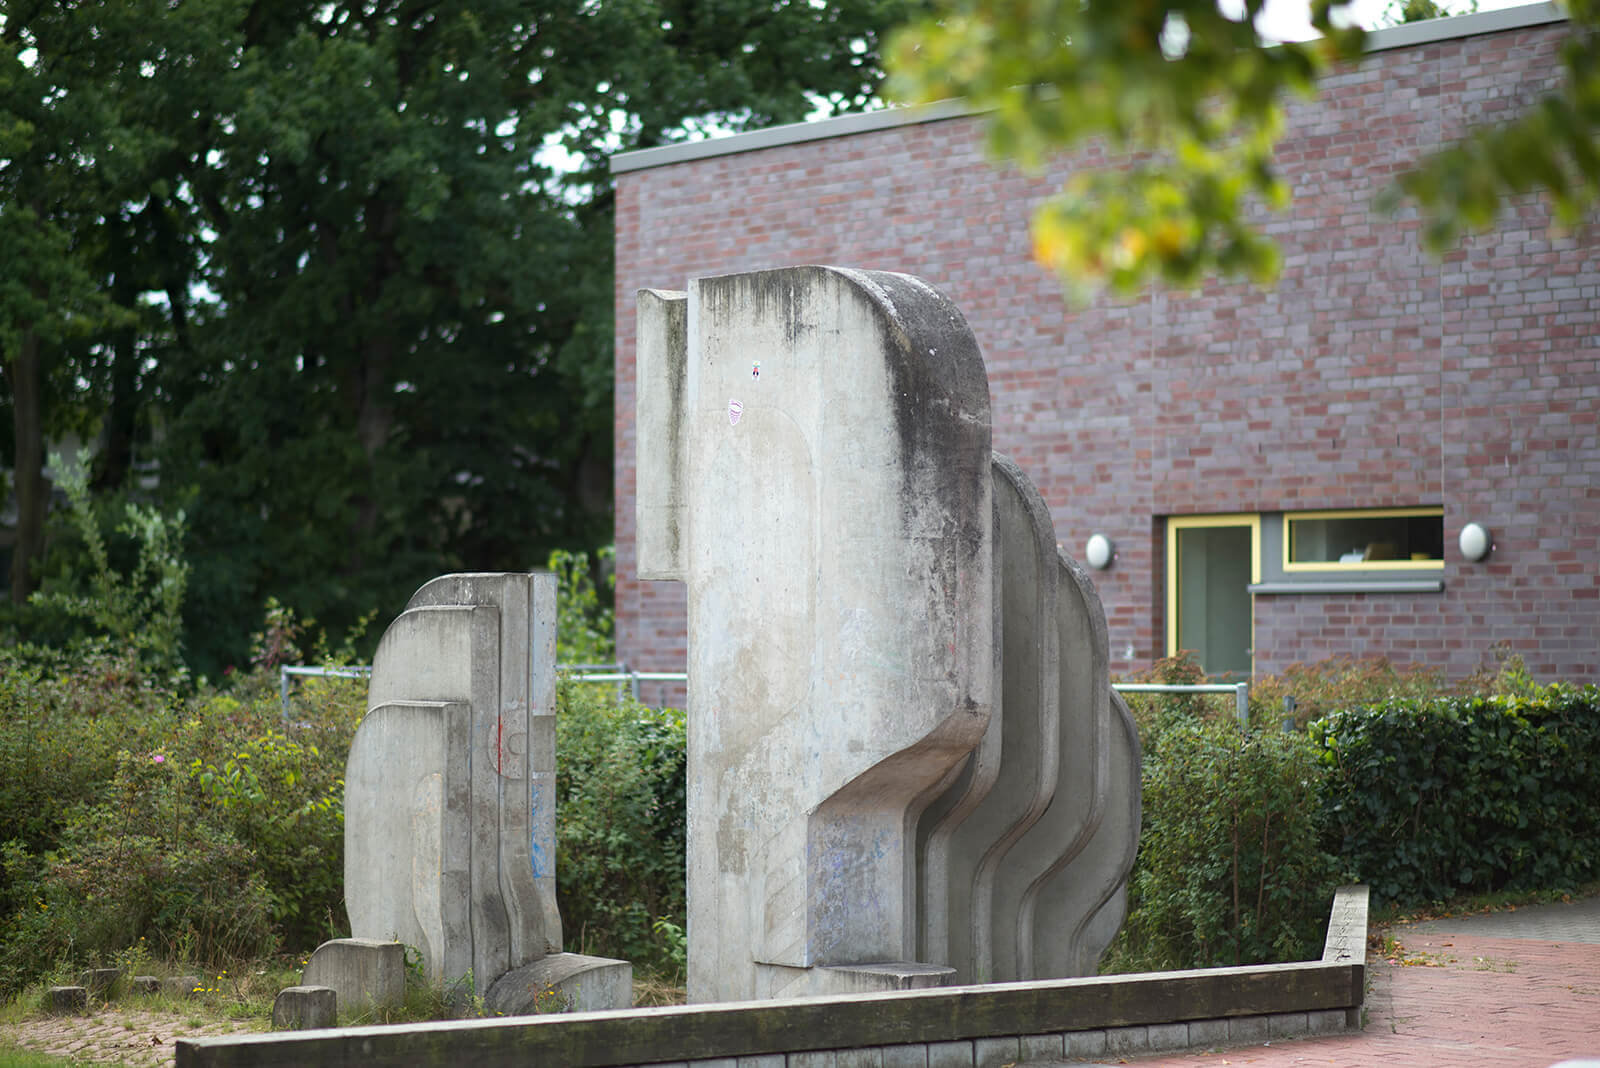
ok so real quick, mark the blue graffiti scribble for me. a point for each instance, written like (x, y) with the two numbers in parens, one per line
(542, 868)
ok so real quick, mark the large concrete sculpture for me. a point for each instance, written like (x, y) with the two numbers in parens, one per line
(905, 763)
(450, 795)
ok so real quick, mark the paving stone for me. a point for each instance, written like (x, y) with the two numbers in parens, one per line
(813, 1059)
(1169, 1036)
(949, 1055)
(1127, 1039)
(1247, 1029)
(1208, 1032)
(871, 1057)
(1085, 1043)
(1286, 1024)
(1326, 1022)
(912, 1055)
(995, 1052)
(1039, 1047)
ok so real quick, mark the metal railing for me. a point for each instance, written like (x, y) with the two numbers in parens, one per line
(618, 674)
(287, 672)
(1240, 691)
(612, 673)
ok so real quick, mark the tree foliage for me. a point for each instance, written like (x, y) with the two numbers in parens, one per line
(1192, 98)
(344, 270)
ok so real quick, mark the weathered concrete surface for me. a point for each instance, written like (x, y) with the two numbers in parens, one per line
(301, 1008)
(450, 786)
(100, 981)
(833, 481)
(662, 363)
(407, 837)
(970, 888)
(1347, 925)
(361, 972)
(1025, 859)
(563, 982)
(519, 765)
(1078, 908)
(861, 978)
(66, 999)
(181, 985)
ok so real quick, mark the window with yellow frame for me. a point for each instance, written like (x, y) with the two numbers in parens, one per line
(1377, 539)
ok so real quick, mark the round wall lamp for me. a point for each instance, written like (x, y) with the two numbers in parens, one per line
(1099, 552)
(1475, 541)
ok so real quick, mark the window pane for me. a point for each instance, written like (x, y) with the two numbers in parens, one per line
(1356, 540)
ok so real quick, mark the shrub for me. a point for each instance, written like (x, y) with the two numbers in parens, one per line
(1230, 869)
(620, 826)
(278, 788)
(1429, 799)
(1340, 682)
(144, 863)
(206, 825)
(63, 719)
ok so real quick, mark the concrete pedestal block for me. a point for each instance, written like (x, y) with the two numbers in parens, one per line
(362, 972)
(563, 982)
(183, 986)
(67, 999)
(146, 985)
(99, 981)
(301, 1008)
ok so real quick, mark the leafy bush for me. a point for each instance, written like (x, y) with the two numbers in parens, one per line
(141, 611)
(203, 824)
(620, 832)
(1230, 869)
(1428, 799)
(1340, 682)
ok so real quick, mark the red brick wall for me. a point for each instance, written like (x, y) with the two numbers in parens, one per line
(1370, 375)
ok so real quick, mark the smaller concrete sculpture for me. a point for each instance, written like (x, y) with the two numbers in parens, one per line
(450, 797)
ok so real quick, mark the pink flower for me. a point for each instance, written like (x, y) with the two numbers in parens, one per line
(159, 759)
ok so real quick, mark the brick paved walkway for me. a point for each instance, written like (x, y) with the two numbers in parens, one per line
(1492, 991)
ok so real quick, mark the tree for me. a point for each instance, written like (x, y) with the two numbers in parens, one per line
(1195, 98)
(377, 244)
(67, 153)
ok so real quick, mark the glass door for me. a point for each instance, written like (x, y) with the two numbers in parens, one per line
(1211, 562)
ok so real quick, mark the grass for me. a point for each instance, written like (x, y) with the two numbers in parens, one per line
(12, 1056)
(1502, 901)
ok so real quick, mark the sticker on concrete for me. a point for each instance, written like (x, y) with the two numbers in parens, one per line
(735, 410)
(755, 372)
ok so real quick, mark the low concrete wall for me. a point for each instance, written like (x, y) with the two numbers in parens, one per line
(969, 1026)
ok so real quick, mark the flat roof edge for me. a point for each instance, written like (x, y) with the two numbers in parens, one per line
(1404, 36)
(790, 134)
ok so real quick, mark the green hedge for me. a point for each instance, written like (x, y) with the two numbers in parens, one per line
(1429, 799)
(1230, 868)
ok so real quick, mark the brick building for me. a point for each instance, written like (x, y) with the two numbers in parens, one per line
(1284, 473)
